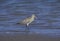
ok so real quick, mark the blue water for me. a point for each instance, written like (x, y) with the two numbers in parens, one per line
(47, 12)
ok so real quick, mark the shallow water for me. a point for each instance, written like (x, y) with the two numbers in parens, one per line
(47, 12)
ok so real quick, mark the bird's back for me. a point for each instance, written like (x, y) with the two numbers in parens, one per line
(27, 20)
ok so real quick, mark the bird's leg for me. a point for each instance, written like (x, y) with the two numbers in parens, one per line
(27, 28)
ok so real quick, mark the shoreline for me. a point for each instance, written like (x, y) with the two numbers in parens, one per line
(23, 37)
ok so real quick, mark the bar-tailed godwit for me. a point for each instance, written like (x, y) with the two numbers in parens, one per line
(27, 21)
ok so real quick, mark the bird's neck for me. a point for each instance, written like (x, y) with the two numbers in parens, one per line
(32, 17)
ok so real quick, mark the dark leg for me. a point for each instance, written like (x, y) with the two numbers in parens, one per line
(27, 29)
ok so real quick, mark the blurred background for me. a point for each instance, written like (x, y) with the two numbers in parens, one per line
(47, 12)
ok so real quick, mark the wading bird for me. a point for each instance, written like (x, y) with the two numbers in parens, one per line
(27, 20)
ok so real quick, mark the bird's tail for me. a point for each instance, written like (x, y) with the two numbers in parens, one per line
(17, 23)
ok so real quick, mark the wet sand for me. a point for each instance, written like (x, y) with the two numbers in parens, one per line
(24, 37)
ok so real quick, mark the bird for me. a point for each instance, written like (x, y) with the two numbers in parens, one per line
(27, 20)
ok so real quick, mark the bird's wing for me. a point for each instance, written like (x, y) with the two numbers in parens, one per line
(26, 20)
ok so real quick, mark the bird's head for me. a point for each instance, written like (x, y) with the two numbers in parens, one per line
(34, 16)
